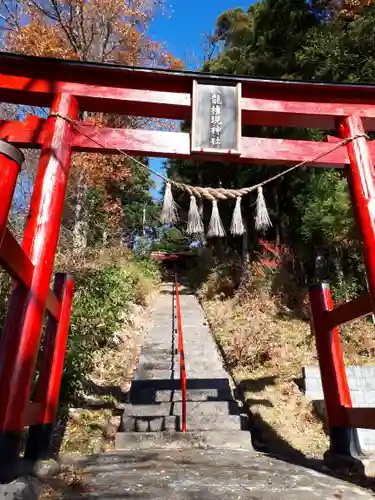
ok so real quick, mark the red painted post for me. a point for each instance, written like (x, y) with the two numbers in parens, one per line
(332, 369)
(51, 370)
(361, 180)
(11, 160)
(21, 334)
(182, 356)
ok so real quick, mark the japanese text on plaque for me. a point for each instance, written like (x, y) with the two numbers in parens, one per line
(216, 124)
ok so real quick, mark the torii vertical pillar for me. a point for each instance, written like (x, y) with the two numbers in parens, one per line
(361, 180)
(11, 160)
(22, 329)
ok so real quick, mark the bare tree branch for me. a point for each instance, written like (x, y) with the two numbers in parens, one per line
(35, 4)
(210, 45)
(69, 33)
(10, 17)
(105, 41)
(82, 29)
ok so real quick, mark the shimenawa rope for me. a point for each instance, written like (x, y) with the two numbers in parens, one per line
(195, 225)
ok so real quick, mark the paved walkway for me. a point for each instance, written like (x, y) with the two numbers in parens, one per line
(214, 459)
(211, 474)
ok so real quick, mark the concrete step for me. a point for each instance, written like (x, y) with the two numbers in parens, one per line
(156, 365)
(158, 341)
(213, 369)
(158, 348)
(163, 325)
(151, 357)
(150, 424)
(163, 423)
(194, 374)
(149, 396)
(181, 440)
(161, 353)
(157, 375)
(220, 385)
(155, 346)
(145, 360)
(195, 409)
(157, 337)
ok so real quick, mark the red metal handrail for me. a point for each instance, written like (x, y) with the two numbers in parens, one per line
(325, 319)
(348, 311)
(182, 356)
(18, 265)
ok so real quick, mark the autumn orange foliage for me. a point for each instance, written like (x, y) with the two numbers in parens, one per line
(350, 8)
(113, 31)
(89, 30)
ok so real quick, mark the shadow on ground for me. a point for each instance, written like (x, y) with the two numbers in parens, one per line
(266, 439)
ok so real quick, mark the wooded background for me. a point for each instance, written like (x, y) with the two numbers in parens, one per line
(318, 40)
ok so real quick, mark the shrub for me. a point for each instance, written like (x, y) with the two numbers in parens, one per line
(108, 282)
(101, 299)
(215, 277)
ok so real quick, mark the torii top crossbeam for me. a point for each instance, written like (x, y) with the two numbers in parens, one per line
(168, 94)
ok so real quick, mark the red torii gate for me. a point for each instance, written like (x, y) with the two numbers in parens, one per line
(70, 87)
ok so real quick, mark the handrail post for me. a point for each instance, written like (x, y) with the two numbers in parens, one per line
(333, 376)
(51, 371)
(182, 357)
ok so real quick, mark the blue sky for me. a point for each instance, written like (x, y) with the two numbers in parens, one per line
(181, 30)
(182, 27)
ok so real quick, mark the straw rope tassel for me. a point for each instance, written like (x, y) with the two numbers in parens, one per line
(262, 219)
(169, 214)
(215, 227)
(195, 224)
(237, 227)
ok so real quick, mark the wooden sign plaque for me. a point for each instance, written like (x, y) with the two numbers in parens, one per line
(216, 121)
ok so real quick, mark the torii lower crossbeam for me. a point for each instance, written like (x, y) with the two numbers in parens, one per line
(30, 134)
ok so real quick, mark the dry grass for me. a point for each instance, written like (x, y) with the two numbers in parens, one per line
(85, 431)
(91, 259)
(266, 347)
(69, 481)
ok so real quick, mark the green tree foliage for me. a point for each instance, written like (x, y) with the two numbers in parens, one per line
(325, 219)
(172, 240)
(138, 205)
(294, 39)
(263, 41)
(341, 51)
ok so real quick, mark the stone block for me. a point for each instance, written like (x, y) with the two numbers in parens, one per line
(361, 381)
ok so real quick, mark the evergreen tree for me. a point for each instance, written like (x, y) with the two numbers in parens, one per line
(294, 39)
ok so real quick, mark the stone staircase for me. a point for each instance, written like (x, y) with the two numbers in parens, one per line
(152, 416)
(214, 459)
